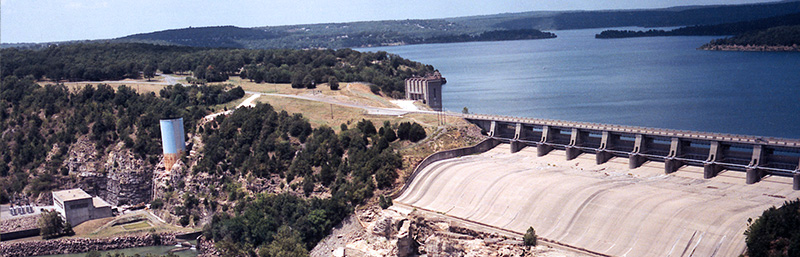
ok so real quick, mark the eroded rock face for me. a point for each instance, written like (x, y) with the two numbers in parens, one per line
(414, 233)
(382, 227)
(129, 181)
(118, 177)
(405, 242)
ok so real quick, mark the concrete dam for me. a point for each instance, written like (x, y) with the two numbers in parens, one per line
(608, 189)
(756, 156)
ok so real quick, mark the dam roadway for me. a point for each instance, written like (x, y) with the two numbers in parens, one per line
(605, 208)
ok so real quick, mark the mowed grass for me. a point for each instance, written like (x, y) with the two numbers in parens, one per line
(332, 115)
(354, 92)
(137, 225)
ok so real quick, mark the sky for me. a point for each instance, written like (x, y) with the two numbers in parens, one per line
(62, 20)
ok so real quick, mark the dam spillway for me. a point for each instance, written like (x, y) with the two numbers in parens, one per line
(715, 152)
(603, 207)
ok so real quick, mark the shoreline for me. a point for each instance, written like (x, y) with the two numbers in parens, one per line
(751, 48)
(82, 245)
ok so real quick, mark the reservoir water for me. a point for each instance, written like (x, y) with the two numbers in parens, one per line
(662, 82)
(141, 251)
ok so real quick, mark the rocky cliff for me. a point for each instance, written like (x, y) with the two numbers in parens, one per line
(116, 176)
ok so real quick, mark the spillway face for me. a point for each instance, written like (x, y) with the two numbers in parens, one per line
(172, 141)
(610, 210)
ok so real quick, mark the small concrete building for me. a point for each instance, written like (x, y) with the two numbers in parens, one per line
(428, 89)
(76, 206)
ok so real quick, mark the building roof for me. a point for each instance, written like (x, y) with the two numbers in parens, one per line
(99, 202)
(71, 194)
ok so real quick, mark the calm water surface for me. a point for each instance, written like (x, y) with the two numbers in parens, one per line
(656, 82)
(142, 251)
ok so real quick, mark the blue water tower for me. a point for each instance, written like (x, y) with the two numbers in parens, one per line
(172, 141)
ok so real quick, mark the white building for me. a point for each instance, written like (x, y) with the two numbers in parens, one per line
(76, 206)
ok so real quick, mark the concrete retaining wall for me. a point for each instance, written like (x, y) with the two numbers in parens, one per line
(481, 147)
(19, 234)
(81, 245)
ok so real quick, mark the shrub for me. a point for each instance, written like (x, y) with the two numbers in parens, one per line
(375, 89)
(385, 202)
(530, 237)
(333, 83)
(184, 220)
(156, 204)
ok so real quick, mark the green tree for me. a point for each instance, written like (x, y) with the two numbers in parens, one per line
(388, 133)
(149, 72)
(465, 110)
(308, 81)
(333, 83)
(416, 132)
(776, 232)
(287, 243)
(50, 224)
(530, 237)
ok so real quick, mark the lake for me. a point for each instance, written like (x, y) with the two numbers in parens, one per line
(662, 82)
(142, 251)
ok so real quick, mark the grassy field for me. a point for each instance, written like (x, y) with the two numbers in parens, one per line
(108, 227)
(137, 225)
(348, 92)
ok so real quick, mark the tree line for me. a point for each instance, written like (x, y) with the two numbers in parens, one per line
(778, 36)
(724, 29)
(116, 61)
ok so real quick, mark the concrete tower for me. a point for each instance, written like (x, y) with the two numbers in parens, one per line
(172, 141)
(428, 89)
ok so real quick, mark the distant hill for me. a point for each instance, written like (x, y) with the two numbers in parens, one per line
(506, 26)
(223, 36)
(725, 29)
(668, 17)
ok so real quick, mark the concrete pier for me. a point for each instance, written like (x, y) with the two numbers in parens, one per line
(753, 175)
(576, 139)
(672, 165)
(573, 152)
(796, 181)
(516, 145)
(543, 149)
(635, 160)
(602, 156)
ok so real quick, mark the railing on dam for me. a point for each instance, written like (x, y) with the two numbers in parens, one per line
(757, 156)
(483, 146)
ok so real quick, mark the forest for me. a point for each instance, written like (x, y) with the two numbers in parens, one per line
(115, 61)
(262, 142)
(778, 36)
(776, 232)
(725, 29)
(39, 123)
